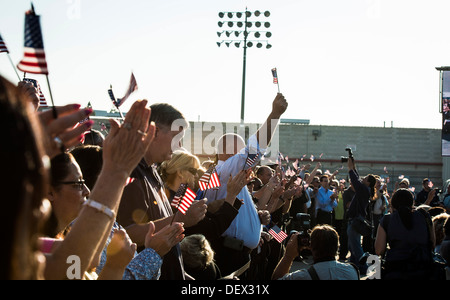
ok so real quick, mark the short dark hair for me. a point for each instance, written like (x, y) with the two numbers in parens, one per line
(322, 177)
(90, 160)
(324, 241)
(60, 168)
(164, 114)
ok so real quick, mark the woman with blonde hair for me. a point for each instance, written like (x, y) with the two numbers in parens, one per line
(198, 258)
(183, 167)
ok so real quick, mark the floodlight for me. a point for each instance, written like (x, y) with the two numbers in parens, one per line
(257, 34)
(249, 44)
(240, 24)
(237, 44)
(267, 13)
(230, 15)
(268, 34)
(239, 14)
(266, 24)
(220, 24)
(259, 45)
(248, 14)
(258, 24)
(257, 13)
(221, 14)
(268, 46)
(230, 24)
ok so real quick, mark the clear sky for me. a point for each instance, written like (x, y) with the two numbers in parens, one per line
(346, 62)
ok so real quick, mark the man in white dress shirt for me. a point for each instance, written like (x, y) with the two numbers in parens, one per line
(244, 233)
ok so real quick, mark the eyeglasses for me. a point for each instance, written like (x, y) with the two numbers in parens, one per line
(80, 183)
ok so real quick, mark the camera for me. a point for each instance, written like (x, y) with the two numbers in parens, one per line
(301, 224)
(438, 191)
(350, 155)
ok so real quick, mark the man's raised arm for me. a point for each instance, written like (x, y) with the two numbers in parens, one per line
(265, 132)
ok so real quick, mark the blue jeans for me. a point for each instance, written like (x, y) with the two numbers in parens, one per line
(355, 248)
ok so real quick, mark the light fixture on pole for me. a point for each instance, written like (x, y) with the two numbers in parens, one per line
(246, 43)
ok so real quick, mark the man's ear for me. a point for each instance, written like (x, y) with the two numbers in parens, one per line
(50, 194)
(157, 129)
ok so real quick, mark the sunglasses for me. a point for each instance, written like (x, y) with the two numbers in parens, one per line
(79, 183)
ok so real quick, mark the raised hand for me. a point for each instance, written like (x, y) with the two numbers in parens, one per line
(125, 145)
(163, 240)
(61, 132)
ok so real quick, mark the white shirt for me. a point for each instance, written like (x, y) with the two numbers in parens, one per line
(246, 226)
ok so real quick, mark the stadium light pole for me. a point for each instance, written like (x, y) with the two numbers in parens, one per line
(247, 43)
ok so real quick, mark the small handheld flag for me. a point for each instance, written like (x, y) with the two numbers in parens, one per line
(178, 195)
(277, 233)
(251, 158)
(3, 47)
(209, 179)
(275, 78)
(34, 58)
(187, 200)
(183, 198)
(131, 88)
(42, 101)
(114, 101)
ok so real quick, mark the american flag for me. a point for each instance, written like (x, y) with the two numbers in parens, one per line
(129, 180)
(186, 195)
(131, 88)
(275, 76)
(209, 179)
(42, 101)
(111, 95)
(179, 194)
(3, 46)
(34, 57)
(277, 233)
(251, 158)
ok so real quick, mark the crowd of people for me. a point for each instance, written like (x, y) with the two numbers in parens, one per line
(85, 206)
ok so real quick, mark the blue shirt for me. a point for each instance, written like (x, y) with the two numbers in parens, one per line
(324, 202)
(246, 226)
(144, 266)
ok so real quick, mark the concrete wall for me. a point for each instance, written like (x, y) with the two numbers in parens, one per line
(413, 153)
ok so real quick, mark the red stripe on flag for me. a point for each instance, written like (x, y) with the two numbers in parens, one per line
(187, 201)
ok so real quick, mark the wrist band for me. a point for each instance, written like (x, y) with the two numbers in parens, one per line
(100, 207)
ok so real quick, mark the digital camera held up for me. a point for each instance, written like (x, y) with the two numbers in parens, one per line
(350, 155)
(301, 224)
